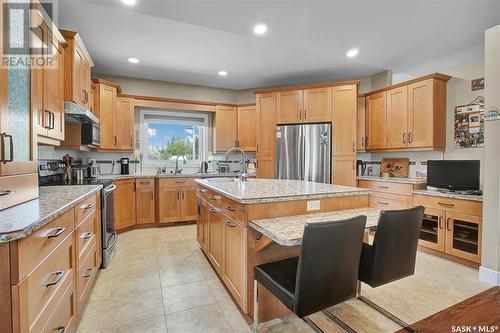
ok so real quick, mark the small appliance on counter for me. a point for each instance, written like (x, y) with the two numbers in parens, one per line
(93, 170)
(204, 167)
(360, 168)
(124, 166)
(223, 168)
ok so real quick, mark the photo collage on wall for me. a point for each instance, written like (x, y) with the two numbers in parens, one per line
(469, 125)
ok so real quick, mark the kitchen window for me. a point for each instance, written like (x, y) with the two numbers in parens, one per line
(167, 134)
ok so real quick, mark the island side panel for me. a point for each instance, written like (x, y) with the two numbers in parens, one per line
(5, 290)
(270, 307)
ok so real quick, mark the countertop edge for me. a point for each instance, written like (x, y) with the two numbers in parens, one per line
(27, 231)
(273, 238)
(412, 181)
(457, 196)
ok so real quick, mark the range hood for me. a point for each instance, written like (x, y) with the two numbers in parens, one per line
(76, 113)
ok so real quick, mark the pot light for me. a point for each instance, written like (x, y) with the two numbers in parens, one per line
(222, 73)
(133, 60)
(129, 2)
(260, 29)
(352, 53)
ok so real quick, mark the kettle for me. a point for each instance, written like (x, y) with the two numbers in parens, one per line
(204, 167)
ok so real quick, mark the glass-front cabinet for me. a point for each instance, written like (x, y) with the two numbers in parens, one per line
(432, 234)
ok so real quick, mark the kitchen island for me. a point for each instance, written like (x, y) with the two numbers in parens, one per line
(226, 211)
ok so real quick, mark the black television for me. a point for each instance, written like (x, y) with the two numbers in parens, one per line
(453, 175)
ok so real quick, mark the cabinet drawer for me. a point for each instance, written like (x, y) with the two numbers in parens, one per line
(448, 204)
(175, 181)
(387, 187)
(234, 210)
(85, 208)
(86, 275)
(33, 249)
(386, 201)
(144, 182)
(35, 294)
(17, 189)
(85, 237)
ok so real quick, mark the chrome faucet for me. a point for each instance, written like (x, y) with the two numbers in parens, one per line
(177, 171)
(243, 173)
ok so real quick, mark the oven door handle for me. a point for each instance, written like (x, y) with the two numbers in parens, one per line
(114, 240)
(110, 188)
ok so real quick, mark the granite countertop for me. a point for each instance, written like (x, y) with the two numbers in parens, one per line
(394, 179)
(255, 191)
(288, 230)
(22, 220)
(450, 195)
(193, 175)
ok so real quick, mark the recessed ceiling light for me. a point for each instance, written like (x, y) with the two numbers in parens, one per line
(260, 29)
(129, 2)
(133, 60)
(222, 73)
(352, 53)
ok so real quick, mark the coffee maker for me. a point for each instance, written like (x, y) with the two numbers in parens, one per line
(124, 166)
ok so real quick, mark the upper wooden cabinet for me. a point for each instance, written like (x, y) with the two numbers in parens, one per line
(361, 124)
(376, 121)
(225, 127)
(410, 115)
(247, 127)
(78, 64)
(266, 134)
(304, 106)
(344, 119)
(125, 123)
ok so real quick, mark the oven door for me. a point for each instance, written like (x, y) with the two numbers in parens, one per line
(108, 217)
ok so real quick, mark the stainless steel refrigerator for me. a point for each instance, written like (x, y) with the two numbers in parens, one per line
(303, 152)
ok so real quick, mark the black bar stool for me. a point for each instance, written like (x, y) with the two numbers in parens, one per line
(325, 273)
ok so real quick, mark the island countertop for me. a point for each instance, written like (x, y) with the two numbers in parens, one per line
(288, 230)
(22, 220)
(255, 191)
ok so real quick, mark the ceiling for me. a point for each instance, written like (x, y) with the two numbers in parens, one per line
(190, 41)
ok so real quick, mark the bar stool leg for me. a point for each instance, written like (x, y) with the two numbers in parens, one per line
(255, 306)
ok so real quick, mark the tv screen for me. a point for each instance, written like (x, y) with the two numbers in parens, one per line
(454, 175)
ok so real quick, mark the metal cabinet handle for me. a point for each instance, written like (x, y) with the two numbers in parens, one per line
(151, 196)
(6, 193)
(60, 329)
(2, 147)
(88, 273)
(366, 142)
(213, 211)
(383, 187)
(229, 224)
(58, 232)
(410, 138)
(202, 190)
(362, 141)
(446, 204)
(87, 235)
(440, 222)
(87, 206)
(59, 275)
(45, 113)
(448, 224)
(257, 148)
(213, 197)
(116, 140)
(231, 209)
(300, 114)
(182, 194)
(305, 114)
(180, 181)
(11, 148)
(404, 138)
(383, 203)
(178, 195)
(52, 120)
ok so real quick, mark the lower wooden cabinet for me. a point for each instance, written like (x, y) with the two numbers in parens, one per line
(124, 202)
(145, 201)
(344, 170)
(202, 232)
(176, 200)
(387, 195)
(215, 230)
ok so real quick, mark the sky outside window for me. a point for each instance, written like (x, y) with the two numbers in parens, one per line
(166, 141)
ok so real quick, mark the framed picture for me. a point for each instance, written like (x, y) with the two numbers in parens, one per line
(477, 84)
(469, 125)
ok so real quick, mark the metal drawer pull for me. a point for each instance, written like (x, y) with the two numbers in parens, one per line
(87, 206)
(213, 198)
(145, 183)
(59, 275)
(2, 146)
(203, 190)
(87, 235)
(446, 204)
(60, 329)
(6, 193)
(383, 203)
(212, 210)
(180, 181)
(440, 222)
(88, 273)
(229, 224)
(57, 233)
(383, 187)
(231, 209)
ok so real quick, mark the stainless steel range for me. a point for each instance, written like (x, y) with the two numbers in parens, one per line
(51, 173)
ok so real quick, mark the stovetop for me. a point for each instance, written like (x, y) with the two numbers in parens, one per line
(51, 173)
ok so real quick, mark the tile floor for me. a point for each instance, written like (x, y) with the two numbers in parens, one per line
(159, 281)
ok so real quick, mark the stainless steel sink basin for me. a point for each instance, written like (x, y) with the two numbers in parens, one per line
(221, 180)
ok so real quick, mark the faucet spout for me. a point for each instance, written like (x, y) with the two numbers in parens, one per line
(243, 173)
(177, 171)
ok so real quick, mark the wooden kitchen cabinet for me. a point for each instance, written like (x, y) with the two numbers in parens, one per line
(289, 106)
(317, 105)
(397, 117)
(225, 127)
(433, 232)
(247, 127)
(266, 134)
(124, 123)
(215, 231)
(188, 202)
(145, 201)
(361, 125)
(124, 197)
(168, 204)
(376, 121)
(78, 64)
(176, 200)
(105, 109)
(344, 170)
(202, 232)
(344, 120)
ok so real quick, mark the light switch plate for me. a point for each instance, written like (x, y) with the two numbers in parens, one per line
(313, 205)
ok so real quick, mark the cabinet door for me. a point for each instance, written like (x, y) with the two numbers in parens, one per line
(344, 170)
(124, 123)
(188, 203)
(106, 111)
(420, 114)
(266, 167)
(266, 123)
(376, 121)
(85, 84)
(124, 204)
(168, 204)
(41, 120)
(397, 117)
(289, 107)
(317, 105)
(199, 221)
(247, 128)
(92, 99)
(145, 204)
(344, 120)
(432, 234)
(463, 236)
(234, 270)
(225, 127)
(78, 63)
(215, 229)
(360, 125)
(53, 90)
